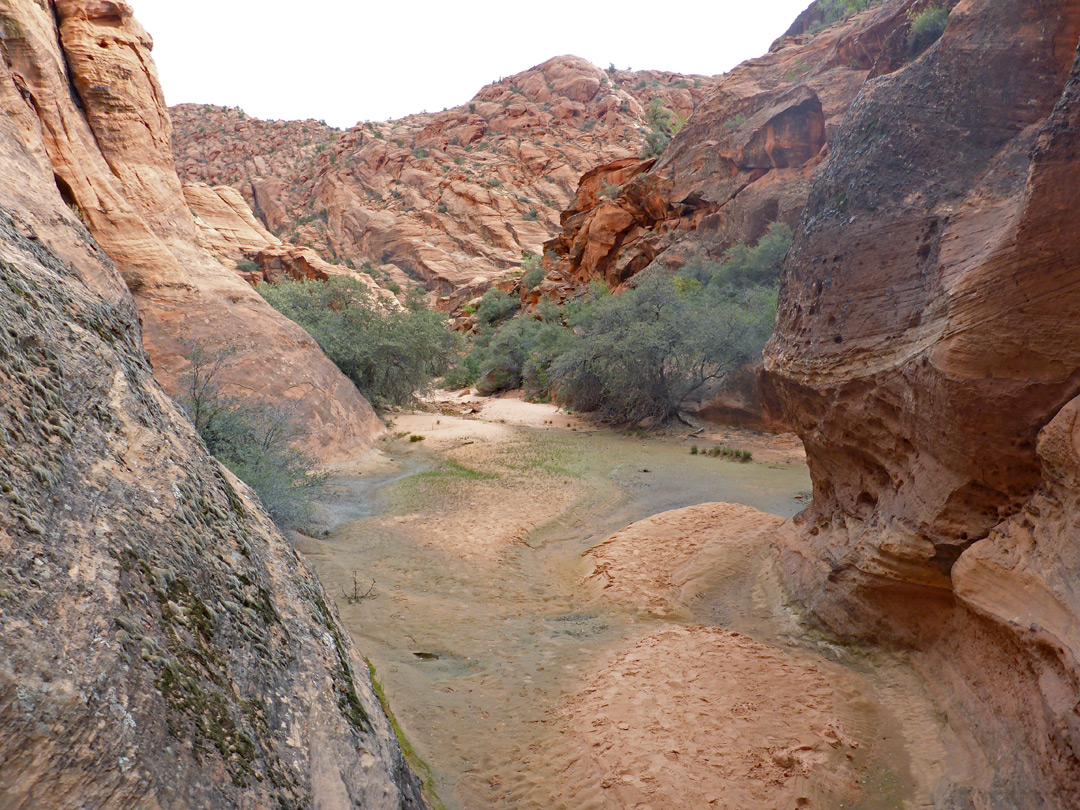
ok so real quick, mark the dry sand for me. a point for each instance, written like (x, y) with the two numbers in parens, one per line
(661, 563)
(614, 678)
(496, 487)
(701, 717)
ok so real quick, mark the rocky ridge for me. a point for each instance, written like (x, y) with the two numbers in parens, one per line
(85, 94)
(161, 644)
(926, 350)
(744, 160)
(450, 199)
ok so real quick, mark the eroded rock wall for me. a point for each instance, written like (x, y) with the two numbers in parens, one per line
(161, 645)
(744, 159)
(451, 199)
(927, 350)
(79, 83)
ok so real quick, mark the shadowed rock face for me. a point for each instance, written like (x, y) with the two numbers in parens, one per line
(83, 90)
(450, 198)
(928, 350)
(161, 645)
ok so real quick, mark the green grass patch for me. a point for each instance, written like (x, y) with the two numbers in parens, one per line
(454, 469)
(540, 456)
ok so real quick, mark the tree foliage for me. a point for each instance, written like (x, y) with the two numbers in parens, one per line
(926, 28)
(389, 353)
(643, 353)
(253, 439)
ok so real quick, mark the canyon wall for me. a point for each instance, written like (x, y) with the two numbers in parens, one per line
(161, 645)
(451, 199)
(928, 351)
(84, 93)
(745, 159)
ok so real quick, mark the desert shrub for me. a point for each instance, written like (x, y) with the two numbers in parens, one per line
(532, 278)
(533, 271)
(641, 354)
(520, 354)
(253, 439)
(662, 126)
(744, 266)
(389, 353)
(927, 26)
(247, 266)
(496, 306)
(833, 10)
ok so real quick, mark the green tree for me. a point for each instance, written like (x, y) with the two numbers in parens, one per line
(642, 354)
(253, 439)
(388, 352)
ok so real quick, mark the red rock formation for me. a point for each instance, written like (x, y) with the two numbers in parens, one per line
(92, 106)
(744, 160)
(928, 350)
(451, 198)
(229, 230)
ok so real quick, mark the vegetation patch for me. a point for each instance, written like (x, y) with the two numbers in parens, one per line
(453, 469)
(639, 355)
(253, 439)
(662, 125)
(926, 27)
(388, 352)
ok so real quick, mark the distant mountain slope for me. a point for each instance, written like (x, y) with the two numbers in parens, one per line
(450, 198)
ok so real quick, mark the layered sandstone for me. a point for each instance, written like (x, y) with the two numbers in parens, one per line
(84, 94)
(229, 230)
(451, 199)
(744, 160)
(161, 645)
(927, 351)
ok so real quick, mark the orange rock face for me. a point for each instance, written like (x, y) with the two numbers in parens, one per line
(928, 352)
(451, 199)
(92, 106)
(744, 160)
(228, 229)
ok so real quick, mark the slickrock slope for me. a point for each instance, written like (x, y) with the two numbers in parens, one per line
(450, 198)
(228, 229)
(928, 350)
(743, 161)
(161, 645)
(84, 94)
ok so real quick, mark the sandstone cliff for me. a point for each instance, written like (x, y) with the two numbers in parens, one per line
(84, 94)
(744, 160)
(229, 230)
(927, 349)
(451, 199)
(161, 645)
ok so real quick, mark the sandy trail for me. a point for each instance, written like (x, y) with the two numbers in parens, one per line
(566, 619)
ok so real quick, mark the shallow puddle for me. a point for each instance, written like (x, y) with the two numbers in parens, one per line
(479, 634)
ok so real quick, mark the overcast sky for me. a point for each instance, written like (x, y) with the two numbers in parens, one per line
(345, 61)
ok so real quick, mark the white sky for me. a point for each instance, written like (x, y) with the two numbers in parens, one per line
(345, 61)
